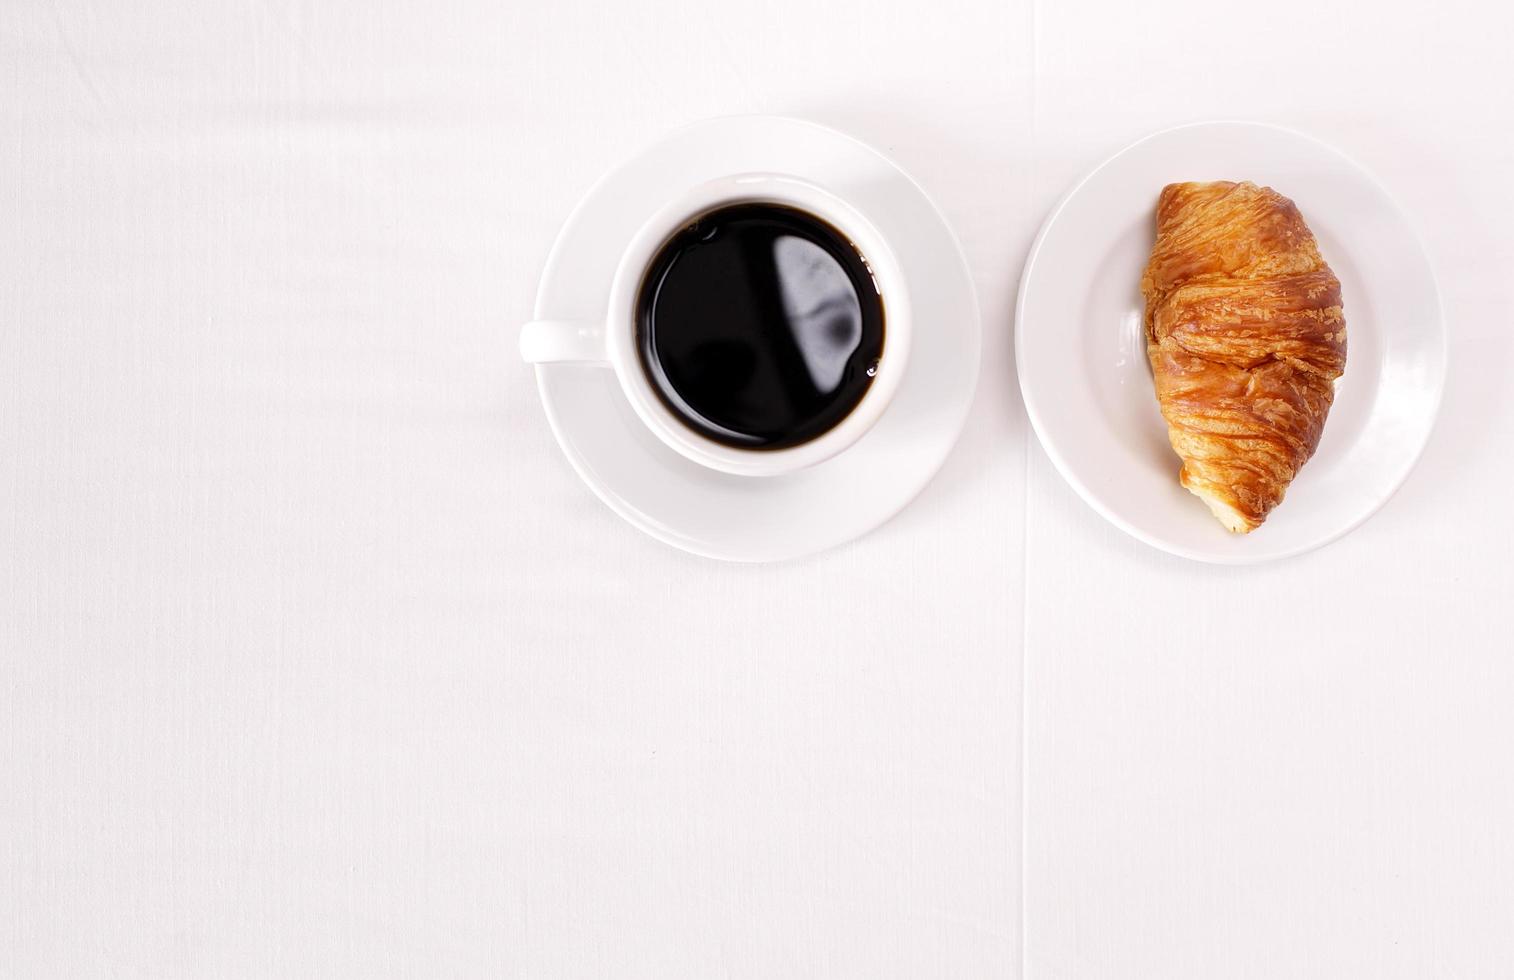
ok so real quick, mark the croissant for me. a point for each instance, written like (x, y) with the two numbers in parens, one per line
(1246, 336)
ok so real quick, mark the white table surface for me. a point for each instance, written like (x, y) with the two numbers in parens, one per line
(316, 659)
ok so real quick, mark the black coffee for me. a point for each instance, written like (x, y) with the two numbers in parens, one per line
(760, 326)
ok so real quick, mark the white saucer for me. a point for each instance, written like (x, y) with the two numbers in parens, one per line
(1082, 356)
(762, 518)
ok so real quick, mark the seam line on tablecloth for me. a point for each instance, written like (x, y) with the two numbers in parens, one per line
(1025, 190)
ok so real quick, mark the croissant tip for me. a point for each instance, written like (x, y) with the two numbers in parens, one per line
(1234, 521)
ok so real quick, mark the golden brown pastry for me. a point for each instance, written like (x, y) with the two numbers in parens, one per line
(1246, 337)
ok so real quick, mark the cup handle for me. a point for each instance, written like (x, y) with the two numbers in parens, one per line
(563, 341)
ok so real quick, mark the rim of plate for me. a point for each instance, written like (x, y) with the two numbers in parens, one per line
(1067, 472)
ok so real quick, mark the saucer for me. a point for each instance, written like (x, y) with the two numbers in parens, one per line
(771, 518)
(1081, 350)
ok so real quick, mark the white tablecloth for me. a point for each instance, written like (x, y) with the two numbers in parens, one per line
(316, 659)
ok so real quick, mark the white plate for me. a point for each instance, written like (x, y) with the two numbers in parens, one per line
(762, 518)
(1082, 355)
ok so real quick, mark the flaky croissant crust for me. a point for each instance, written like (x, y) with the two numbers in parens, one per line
(1246, 336)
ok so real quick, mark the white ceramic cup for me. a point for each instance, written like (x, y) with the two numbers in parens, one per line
(612, 341)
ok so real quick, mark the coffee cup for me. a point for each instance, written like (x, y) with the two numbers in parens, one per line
(767, 381)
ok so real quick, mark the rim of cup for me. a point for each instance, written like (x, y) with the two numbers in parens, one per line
(766, 188)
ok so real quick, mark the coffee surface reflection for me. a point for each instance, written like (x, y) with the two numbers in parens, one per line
(760, 326)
